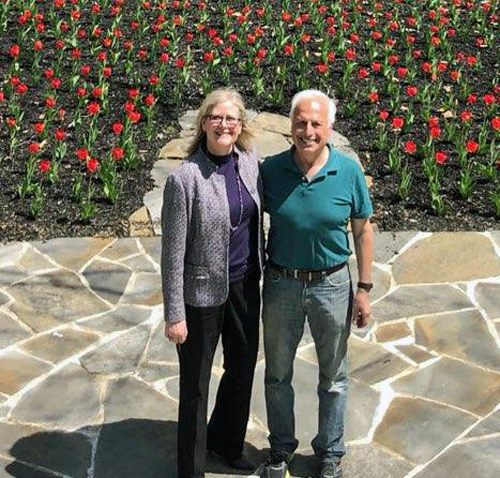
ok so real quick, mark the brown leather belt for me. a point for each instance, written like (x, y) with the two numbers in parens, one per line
(306, 275)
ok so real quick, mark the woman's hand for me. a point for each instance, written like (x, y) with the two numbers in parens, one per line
(176, 332)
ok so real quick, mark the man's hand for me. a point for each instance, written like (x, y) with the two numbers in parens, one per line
(176, 332)
(361, 308)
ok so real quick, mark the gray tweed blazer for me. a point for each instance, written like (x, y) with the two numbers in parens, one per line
(195, 232)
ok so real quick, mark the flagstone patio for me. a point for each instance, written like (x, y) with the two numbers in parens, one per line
(88, 383)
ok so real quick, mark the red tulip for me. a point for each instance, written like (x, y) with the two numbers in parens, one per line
(21, 89)
(411, 91)
(85, 70)
(117, 128)
(435, 132)
(34, 148)
(489, 99)
(321, 68)
(92, 165)
(60, 134)
(383, 115)
(440, 157)
(39, 127)
(471, 146)
(410, 147)
(82, 154)
(117, 153)
(397, 122)
(466, 115)
(14, 51)
(93, 108)
(44, 166)
(134, 116)
(495, 123)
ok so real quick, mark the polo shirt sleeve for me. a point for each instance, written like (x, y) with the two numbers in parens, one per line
(361, 203)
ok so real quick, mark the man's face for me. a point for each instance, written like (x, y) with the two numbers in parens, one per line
(310, 128)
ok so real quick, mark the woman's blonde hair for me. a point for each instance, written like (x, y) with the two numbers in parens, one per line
(209, 103)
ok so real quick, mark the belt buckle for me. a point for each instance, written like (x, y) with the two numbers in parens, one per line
(309, 276)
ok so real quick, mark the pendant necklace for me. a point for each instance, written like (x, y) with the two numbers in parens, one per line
(240, 197)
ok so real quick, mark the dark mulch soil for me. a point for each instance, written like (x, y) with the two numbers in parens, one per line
(60, 217)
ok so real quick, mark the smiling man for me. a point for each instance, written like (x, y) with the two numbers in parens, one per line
(311, 192)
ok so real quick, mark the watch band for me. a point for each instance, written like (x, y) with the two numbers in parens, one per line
(368, 286)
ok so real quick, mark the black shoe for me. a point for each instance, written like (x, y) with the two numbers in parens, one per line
(276, 466)
(240, 463)
(330, 469)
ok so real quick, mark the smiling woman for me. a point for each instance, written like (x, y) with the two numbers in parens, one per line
(212, 256)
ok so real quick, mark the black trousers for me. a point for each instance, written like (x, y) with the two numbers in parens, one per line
(237, 320)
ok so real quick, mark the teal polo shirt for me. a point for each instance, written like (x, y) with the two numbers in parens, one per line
(309, 218)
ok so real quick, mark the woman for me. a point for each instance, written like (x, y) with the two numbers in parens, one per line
(211, 264)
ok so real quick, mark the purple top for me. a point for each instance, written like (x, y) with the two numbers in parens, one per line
(243, 217)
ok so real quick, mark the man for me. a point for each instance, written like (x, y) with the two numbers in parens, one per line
(311, 192)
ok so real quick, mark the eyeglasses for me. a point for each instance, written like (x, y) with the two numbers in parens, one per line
(216, 120)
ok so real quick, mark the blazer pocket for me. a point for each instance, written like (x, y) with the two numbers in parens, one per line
(196, 272)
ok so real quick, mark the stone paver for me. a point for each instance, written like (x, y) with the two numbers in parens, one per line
(146, 290)
(407, 301)
(371, 363)
(57, 346)
(121, 318)
(371, 461)
(18, 369)
(32, 261)
(48, 300)
(72, 253)
(139, 264)
(107, 280)
(120, 355)
(388, 244)
(10, 331)
(393, 332)
(464, 335)
(439, 382)
(67, 399)
(418, 429)
(11, 274)
(446, 257)
(120, 248)
(85, 380)
(489, 426)
(464, 460)
(415, 353)
(10, 253)
(487, 296)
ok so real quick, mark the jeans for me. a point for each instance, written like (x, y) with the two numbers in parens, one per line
(327, 304)
(237, 321)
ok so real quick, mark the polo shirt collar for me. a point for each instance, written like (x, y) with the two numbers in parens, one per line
(331, 166)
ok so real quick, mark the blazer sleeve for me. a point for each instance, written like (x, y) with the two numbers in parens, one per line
(174, 223)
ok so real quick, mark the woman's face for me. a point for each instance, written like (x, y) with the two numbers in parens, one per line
(222, 127)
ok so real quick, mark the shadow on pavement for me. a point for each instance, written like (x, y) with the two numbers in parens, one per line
(127, 449)
(133, 448)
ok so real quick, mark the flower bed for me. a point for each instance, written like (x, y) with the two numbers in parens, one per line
(90, 90)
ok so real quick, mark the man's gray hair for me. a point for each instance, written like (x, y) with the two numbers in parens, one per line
(311, 94)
